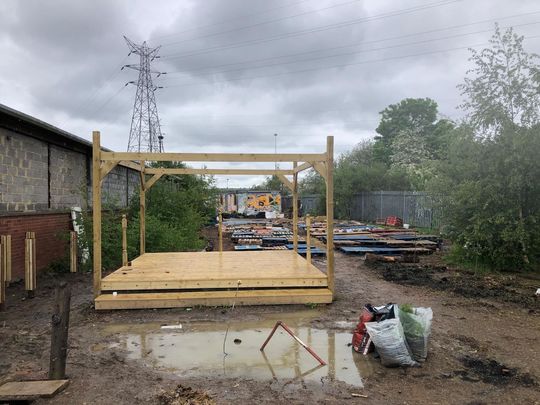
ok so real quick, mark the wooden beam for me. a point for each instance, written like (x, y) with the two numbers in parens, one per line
(321, 169)
(189, 170)
(330, 212)
(105, 168)
(286, 182)
(214, 157)
(124, 241)
(152, 180)
(96, 210)
(303, 166)
(132, 165)
(142, 213)
(295, 208)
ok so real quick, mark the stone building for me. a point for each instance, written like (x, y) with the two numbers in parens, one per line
(44, 172)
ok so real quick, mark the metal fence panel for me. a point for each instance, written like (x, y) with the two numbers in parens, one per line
(414, 207)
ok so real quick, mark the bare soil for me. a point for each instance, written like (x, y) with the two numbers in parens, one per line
(483, 349)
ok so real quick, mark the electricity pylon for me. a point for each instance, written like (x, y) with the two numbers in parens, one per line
(145, 133)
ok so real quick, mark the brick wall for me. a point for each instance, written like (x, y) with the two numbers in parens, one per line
(40, 180)
(51, 240)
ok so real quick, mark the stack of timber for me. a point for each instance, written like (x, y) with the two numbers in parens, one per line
(257, 235)
(358, 238)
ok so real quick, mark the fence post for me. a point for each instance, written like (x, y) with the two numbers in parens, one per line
(30, 264)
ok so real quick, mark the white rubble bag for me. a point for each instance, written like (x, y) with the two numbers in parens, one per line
(417, 329)
(389, 340)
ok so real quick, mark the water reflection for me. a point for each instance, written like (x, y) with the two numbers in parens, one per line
(197, 350)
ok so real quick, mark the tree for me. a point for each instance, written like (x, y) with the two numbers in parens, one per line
(504, 87)
(489, 179)
(411, 114)
(271, 183)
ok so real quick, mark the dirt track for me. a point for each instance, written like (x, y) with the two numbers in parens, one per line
(483, 351)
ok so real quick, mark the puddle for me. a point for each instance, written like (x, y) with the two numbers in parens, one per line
(197, 350)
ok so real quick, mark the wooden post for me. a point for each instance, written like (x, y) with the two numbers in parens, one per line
(59, 333)
(73, 250)
(124, 241)
(295, 209)
(220, 231)
(30, 281)
(330, 212)
(2, 286)
(142, 213)
(5, 263)
(96, 210)
(308, 239)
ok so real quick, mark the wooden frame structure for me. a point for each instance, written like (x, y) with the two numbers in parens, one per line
(103, 162)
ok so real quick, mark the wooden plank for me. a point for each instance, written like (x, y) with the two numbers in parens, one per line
(96, 211)
(214, 298)
(31, 390)
(330, 211)
(179, 284)
(303, 166)
(189, 170)
(215, 157)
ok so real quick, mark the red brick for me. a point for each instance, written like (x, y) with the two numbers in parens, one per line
(51, 242)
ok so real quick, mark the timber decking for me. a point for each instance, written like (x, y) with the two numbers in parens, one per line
(180, 279)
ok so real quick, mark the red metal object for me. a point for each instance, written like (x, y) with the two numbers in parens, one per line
(290, 332)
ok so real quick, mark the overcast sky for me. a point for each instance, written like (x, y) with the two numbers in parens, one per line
(239, 71)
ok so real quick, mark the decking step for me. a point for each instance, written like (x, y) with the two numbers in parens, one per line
(213, 298)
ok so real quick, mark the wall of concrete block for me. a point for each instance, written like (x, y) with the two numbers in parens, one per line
(36, 176)
(23, 173)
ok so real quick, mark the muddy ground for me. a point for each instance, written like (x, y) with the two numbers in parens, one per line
(483, 350)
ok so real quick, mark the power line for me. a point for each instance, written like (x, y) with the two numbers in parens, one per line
(107, 101)
(371, 42)
(242, 17)
(313, 30)
(263, 23)
(358, 52)
(342, 65)
(114, 73)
